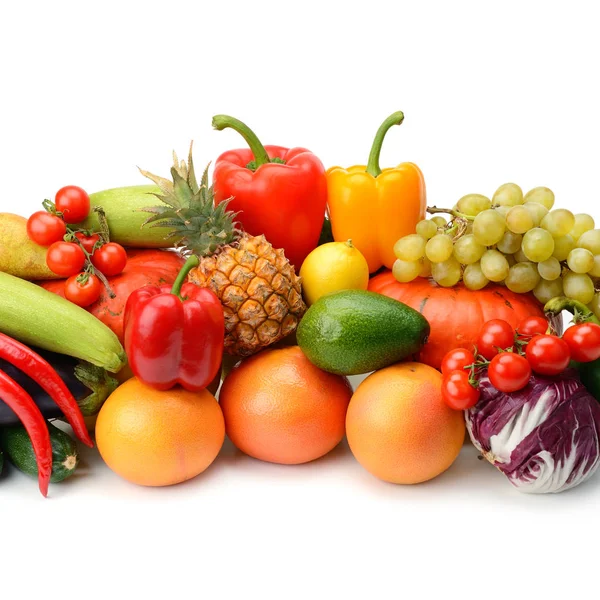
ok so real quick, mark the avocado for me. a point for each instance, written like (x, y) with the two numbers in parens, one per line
(356, 331)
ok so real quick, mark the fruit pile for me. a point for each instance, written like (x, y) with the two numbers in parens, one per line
(517, 240)
(177, 313)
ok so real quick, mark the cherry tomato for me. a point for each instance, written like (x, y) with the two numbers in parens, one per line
(548, 354)
(531, 326)
(65, 259)
(87, 241)
(83, 294)
(583, 341)
(457, 359)
(509, 372)
(110, 259)
(457, 391)
(493, 335)
(73, 202)
(44, 228)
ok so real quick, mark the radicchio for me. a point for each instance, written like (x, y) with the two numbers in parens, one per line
(545, 438)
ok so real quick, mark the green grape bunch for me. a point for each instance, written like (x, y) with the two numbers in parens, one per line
(513, 239)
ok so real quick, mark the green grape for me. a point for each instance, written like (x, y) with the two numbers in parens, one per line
(583, 223)
(562, 246)
(488, 227)
(590, 240)
(579, 287)
(558, 222)
(510, 243)
(406, 270)
(439, 248)
(503, 210)
(473, 277)
(595, 270)
(467, 250)
(510, 259)
(426, 228)
(537, 212)
(538, 245)
(594, 305)
(519, 255)
(473, 204)
(508, 194)
(494, 265)
(439, 221)
(549, 269)
(580, 260)
(410, 247)
(522, 278)
(469, 228)
(544, 291)
(518, 219)
(543, 195)
(425, 268)
(446, 273)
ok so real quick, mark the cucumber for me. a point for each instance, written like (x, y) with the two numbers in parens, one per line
(355, 331)
(122, 207)
(19, 451)
(37, 317)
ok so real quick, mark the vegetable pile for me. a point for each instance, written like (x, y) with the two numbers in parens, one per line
(266, 287)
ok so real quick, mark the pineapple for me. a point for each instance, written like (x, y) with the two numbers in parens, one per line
(258, 287)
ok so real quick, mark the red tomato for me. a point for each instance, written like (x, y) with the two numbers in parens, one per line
(110, 259)
(65, 259)
(456, 360)
(532, 326)
(83, 294)
(583, 341)
(548, 354)
(73, 202)
(457, 391)
(509, 372)
(494, 335)
(87, 241)
(44, 228)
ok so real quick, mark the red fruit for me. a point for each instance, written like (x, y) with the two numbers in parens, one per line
(509, 372)
(44, 228)
(457, 391)
(83, 293)
(65, 259)
(457, 360)
(73, 202)
(110, 259)
(532, 326)
(583, 341)
(548, 354)
(87, 241)
(495, 335)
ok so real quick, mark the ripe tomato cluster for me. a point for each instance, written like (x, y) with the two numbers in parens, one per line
(84, 258)
(511, 356)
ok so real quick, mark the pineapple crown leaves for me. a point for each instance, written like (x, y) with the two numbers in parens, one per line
(189, 210)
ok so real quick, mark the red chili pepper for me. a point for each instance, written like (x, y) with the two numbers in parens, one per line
(42, 372)
(278, 192)
(175, 335)
(35, 425)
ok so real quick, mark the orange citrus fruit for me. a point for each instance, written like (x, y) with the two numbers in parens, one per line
(399, 428)
(280, 408)
(159, 438)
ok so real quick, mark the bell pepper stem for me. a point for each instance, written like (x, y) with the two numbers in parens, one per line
(220, 122)
(579, 310)
(190, 263)
(373, 167)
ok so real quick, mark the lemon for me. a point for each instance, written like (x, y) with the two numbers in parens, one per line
(331, 268)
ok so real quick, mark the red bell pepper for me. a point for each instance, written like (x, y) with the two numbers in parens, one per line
(278, 192)
(174, 335)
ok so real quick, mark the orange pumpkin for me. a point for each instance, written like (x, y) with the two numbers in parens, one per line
(455, 314)
(144, 267)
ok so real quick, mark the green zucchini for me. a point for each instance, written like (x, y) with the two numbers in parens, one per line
(37, 317)
(19, 451)
(122, 207)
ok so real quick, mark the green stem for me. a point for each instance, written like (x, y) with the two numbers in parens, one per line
(221, 122)
(373, 167)
(190, 263)
(432, 210)
(560, 303)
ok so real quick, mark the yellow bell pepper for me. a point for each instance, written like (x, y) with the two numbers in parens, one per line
(374, 207)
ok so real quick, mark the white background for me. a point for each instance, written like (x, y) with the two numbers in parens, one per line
(492, 92)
